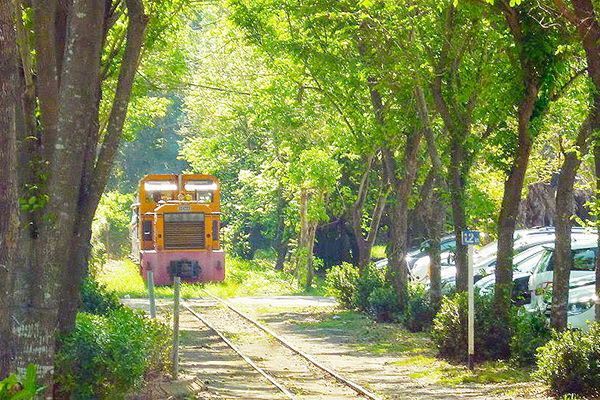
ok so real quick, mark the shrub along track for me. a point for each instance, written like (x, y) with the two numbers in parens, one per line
(304, 321)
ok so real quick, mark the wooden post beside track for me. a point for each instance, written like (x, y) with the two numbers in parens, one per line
(151, 293)
(175, 359)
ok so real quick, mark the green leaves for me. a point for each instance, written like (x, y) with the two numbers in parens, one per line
(17, 388)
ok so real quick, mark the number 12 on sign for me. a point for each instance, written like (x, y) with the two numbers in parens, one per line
(470, 237)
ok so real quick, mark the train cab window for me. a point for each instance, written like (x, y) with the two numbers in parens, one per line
(203, 197)
(159, 190)
(147, 230)
(203, 190)
(156, 196)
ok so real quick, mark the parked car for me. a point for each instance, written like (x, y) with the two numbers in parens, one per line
(485, 277)
(523, 265)
(415, 254)
(485, 258)
(581, 301)
(583, 271)
(580, 309)
(447, 243)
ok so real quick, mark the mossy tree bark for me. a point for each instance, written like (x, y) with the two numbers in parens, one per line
(64, 160)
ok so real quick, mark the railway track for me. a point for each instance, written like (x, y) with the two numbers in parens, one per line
(300, 377)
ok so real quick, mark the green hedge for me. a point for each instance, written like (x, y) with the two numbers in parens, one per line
(570, 363)
(107, 356)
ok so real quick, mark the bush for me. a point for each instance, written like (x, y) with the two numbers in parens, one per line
(570, 362)
(15, 387)
(352, 288)
(383, 304)
(450, 329)
(368, 281)
(108, 356)
(531, 332)
(341, 282)
(97, 299)
(419, 312)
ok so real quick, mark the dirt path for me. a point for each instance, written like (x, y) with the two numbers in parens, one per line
(216, 372)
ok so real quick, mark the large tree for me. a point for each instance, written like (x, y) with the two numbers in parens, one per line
(8, 171)
(535, 64)
(583, 18)
(76, 81)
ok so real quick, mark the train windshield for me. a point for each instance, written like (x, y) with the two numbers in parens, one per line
(159, 186)
(203, 190)
(200, 186)
(159, 190)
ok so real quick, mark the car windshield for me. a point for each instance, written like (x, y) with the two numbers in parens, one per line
(448, 245)
(545, 261)
(527, 264)
(488, 250)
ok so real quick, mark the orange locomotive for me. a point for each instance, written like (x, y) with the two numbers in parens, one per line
(175, 229)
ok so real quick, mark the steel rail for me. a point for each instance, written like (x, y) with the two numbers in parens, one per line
(357, 388)
(239, 352)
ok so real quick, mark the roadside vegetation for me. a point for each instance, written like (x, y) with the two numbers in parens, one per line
(341, 132)
(242, 278)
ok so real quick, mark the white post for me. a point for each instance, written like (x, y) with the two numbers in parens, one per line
(175, 358)
(471, 309)
(151, 293)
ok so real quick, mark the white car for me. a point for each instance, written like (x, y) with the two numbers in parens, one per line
(420, 270)
(485, 278)
(582, 283)
(584, 267)
(581, 308)
(486, 256)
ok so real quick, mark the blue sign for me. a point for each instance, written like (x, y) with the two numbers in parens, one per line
(470, 237)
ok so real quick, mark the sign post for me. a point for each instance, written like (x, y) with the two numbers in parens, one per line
(471, 238)
(151, 292)
(175, 354)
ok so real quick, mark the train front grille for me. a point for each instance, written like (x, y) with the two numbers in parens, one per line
(184, 231)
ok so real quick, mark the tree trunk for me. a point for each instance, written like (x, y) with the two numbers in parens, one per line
(563, 259)
(507, 221)
(589, 32)
(397, 272)
(397, 248)
(586, 22)
(306, 241)
(281, 238)
(96, 171)
(562, 251)
(53, 252)
(9, 211)
(434, 208)
(457, 193)
(435, 232)
(432, 211)
(300, 256)
(312, 230)
(513, 185)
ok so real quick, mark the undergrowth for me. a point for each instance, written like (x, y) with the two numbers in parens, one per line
(242, 278)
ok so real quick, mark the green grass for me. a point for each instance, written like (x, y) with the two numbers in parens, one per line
(242, 278)
(366, 335)
(411, 349)
(486, 373)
